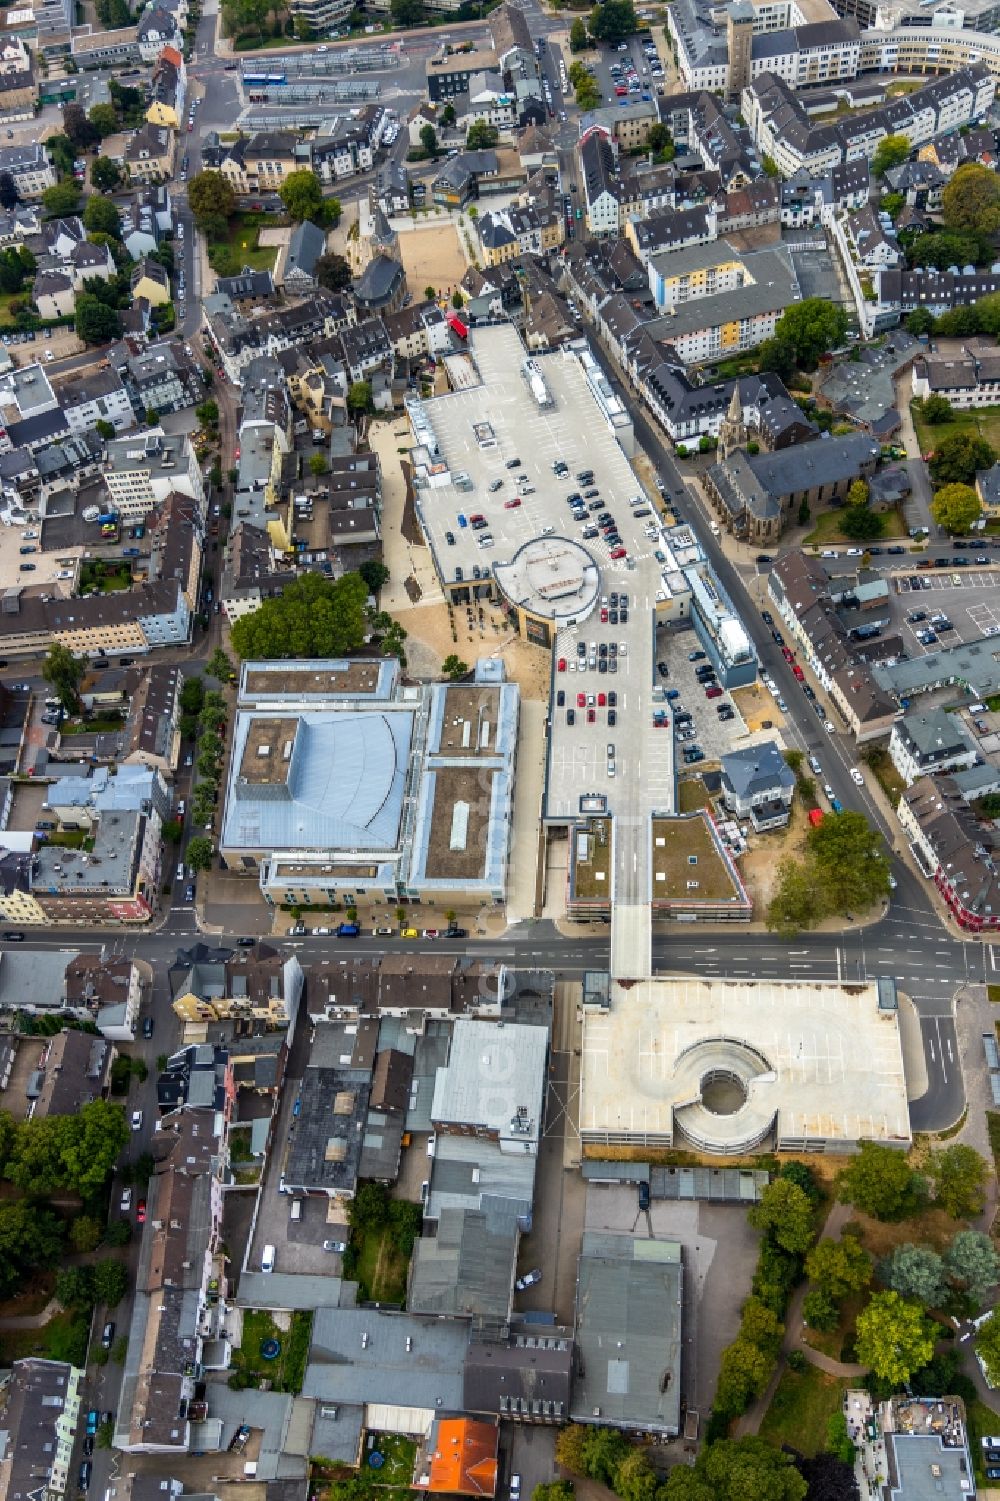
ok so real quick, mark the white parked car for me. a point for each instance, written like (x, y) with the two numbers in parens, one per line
(136, 1120)
(856, 777)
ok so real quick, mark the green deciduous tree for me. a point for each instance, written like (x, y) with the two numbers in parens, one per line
(77, 128)
(959, 456)
(744, 1372)
(62, 671)
(192, 695)
(915, 1272)
(407, 12)
(318, 463)
(105, 175)
(820, 1311)
(570, 1452)
(96, 323)
(879, 1181)
(75, 1287)
(481, 136)
(850, 862)
(635, 1479)
(219, 666)
(613, 21)
(31, 1236)
(795, 901)
(104, 119)
(212, 202)
(333, 272)
(785, 1215)
(971, 200)
(810, 327)
(937, 409)
(302, 195)
(553, 1490)
(861, 524)
(100, 214)
(943, 248)
(85, 1233)
(958, 1177)
(839, 1267)
(61, 198)
(359, 398)
(746, 1469)
(892, 152)
(199, 852)
(61, 153)
(956, 508)
(375, 574)
(893, 1337)
(453, 667)
(314, 617)
(578, 39)
(429, 140)
(972, 1261)
(110, 1281)
(920, 321)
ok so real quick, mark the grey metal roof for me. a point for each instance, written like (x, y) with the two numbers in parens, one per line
(467, 1170)
(467, 1269)
(928, 1471)
(359, 1355)
(528, 1376)
(755, 769)
(629, 1306)
(305, 247)
(344, 787)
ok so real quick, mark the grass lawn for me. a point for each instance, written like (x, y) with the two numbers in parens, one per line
(64, 1337)
(287, 1371)
(993, 1126)
(97, 577)
(827, 529)
(399, 1453)
(993, 991)
(381, 1270)
(242, 241)
(802, 1406)
(105, 725)
(879, 763)
(985, 423)
(692, 794)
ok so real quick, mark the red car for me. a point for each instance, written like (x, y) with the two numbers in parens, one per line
(601, 700)
(562, 664)
(797, 671)
(604, 617)
(140, 1212)
(581, 699)
(788, 654)
(591, 716)
(713, 692)
(618, 552)
(512, 505)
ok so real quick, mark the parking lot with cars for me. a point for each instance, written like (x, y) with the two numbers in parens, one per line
(630, 71)
(935, 608)
(705, 718)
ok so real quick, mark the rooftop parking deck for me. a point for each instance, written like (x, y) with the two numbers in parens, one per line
(496, 513)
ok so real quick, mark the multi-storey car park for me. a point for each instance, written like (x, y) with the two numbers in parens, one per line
(723, 1065)
(520, 474)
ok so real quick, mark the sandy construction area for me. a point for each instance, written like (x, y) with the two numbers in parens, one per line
(432, 257)
(430, 640)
